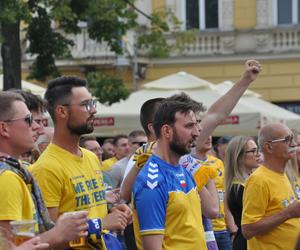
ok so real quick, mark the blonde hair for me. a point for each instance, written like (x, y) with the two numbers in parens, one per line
(234, 160)
(292, 167)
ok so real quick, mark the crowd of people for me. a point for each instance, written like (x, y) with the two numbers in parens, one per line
(167, 187)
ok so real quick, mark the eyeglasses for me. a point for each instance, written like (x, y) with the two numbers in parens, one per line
(43, 121)
(254, 151)
(140, 143)
(288, 140)
(89, 104)
(28, 119)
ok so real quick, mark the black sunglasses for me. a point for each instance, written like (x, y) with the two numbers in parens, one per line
(140, 143)
(28, 119)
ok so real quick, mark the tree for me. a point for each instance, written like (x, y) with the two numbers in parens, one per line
(107, 20)
(108, 89)
(11, 12)
(47, 21)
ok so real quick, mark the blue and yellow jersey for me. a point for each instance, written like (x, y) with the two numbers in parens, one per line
(166, 201)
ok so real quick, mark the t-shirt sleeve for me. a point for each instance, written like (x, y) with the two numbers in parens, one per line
(11, 193)
(151, 205)
(50, 184)
(254, 201)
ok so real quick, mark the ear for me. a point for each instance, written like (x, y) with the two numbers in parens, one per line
(167, 131)
(4, 129)
(150, 128)
(61, 112)
(268, 147)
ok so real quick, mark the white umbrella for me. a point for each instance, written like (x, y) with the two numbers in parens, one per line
(254, 101)
(123, 117)
(35, 89)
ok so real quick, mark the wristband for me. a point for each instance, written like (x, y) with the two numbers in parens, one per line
(95, 227)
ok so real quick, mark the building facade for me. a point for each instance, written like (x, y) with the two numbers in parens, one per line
(227, 33)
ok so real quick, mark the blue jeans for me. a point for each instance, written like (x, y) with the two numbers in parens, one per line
(223, 240)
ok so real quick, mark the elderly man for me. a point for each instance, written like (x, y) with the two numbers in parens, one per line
(270, 218)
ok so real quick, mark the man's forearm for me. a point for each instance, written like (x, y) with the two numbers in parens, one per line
(127, 184)
(264, 225)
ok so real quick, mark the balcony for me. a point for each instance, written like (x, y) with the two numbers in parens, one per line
(277, 40)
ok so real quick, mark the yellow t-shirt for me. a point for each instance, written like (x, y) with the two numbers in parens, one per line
(71, 183)
(16, 202)
(267, 193)
(219, 224)
(107, 164)
(297, 188)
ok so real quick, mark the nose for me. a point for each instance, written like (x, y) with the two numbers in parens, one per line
(197, 129)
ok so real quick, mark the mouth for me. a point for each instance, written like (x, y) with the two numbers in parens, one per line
(192, 143)
(91, 120)
(35, 137)
(292, 149)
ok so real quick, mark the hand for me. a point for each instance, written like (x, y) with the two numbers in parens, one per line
(113, 196)
(116, 220)
(125, 209)
(34, 243)
(253, 68)
(293, 209)
(141, 160)
(72, 226)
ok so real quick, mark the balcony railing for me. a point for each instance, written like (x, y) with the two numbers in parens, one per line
(280, 39)
(273, 40)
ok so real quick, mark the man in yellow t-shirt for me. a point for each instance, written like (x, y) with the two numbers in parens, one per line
(20, 195)
(70, 176)
(270, 218)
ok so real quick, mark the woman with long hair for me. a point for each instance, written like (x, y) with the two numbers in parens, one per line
(242, 156)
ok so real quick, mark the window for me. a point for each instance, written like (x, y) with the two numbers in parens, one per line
(202, 14)
(287, 12)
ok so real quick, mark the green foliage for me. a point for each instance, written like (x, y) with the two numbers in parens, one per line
(108, 89)
(47, 44)
(13, 10)
(106, 20)
(47, 22)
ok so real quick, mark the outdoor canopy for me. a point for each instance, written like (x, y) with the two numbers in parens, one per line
(28, 86)
(123, 117)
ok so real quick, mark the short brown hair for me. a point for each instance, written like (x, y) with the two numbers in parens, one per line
(7, 98)
(84, 139)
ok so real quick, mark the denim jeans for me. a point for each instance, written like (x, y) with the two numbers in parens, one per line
(223, 240)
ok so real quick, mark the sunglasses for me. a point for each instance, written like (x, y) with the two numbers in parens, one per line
(28, 119)
(89, 104)
(140, 143)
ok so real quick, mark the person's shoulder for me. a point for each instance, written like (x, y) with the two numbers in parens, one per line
(8, 176)
(48, 161)
(215, 161)
(258, 177)
(152, 174)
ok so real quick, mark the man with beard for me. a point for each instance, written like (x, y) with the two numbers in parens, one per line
(271, 212)
(165, 196)
(20, 195)
(69, 176)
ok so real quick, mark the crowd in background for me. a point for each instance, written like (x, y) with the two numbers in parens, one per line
(166, 187)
